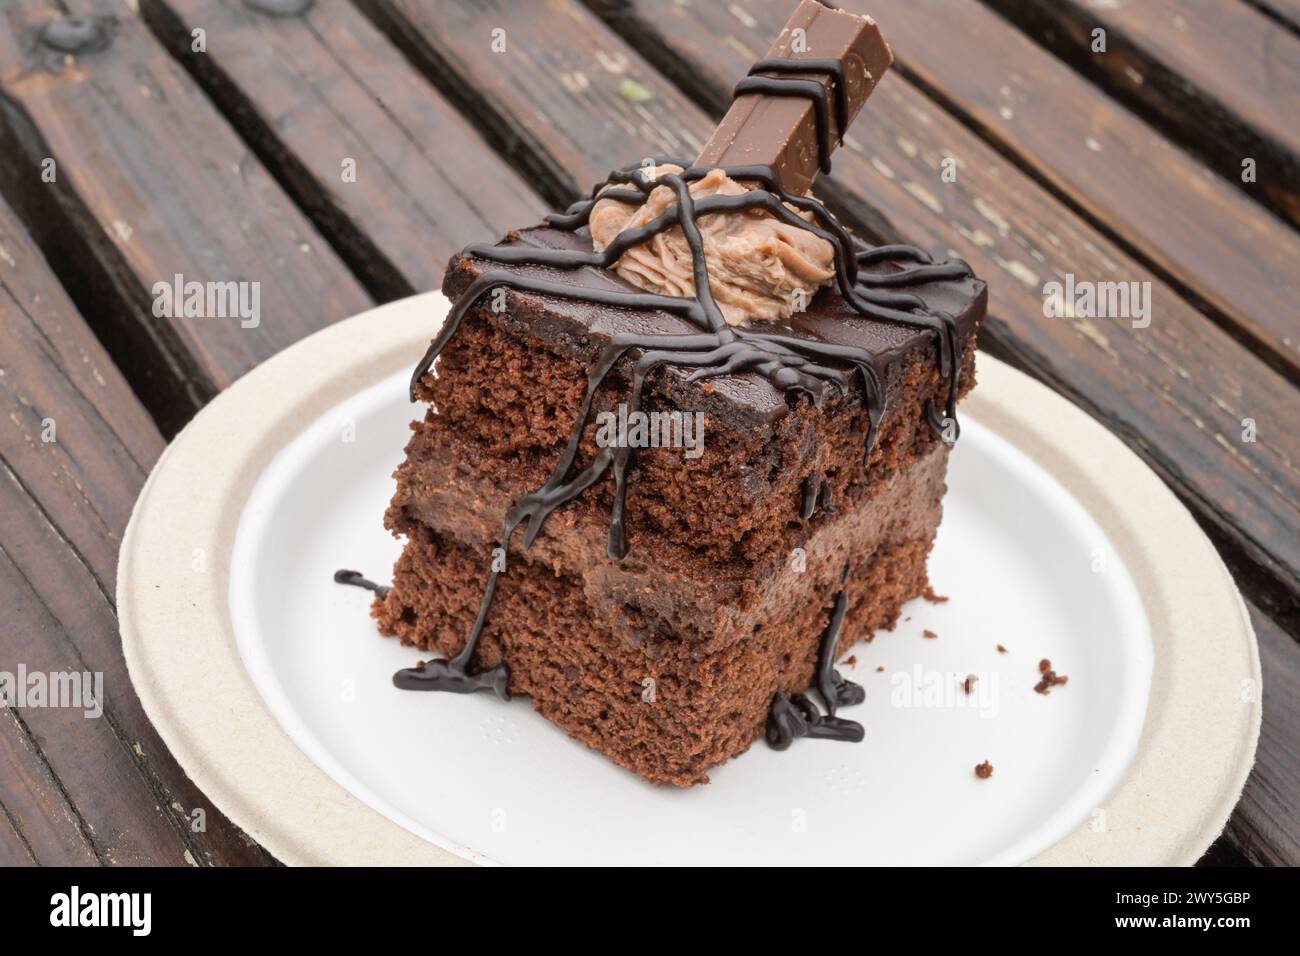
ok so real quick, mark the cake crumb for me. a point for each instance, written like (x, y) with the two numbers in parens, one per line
(1001, 649)
(880, 669)
(929, 633)
(984, 770)
(930, 595)
(968, 685)
(850, 661)
(1050, 678)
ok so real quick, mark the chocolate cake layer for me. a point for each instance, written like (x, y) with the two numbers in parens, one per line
(582, 633)
(700, 598)
(743, 498)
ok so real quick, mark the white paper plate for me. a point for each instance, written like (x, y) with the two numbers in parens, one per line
(270, 685)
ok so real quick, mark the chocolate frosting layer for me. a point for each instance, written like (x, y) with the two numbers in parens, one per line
(580, 328)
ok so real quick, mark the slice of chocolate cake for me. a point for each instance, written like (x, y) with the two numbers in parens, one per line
(687, 441)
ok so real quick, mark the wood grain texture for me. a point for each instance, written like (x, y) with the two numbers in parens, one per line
(1197, 231)
(1286, 12)
(13, 847)
(317, 92)
(1176, 392)
(1221, 77)
(44, 826)
(1266, 824)
(151, 183)
(563, 94)
(74, 452)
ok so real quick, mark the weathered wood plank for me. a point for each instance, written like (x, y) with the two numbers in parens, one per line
(1221, 77)
(1176, 391)
(45, 826)
(89, 755)
(1286, 12)
(14, 850)
(1266, 824)
(74, 452)
(149, 183)
(388, 170)
(1222, 853)
(1196, 230)
(562, 90)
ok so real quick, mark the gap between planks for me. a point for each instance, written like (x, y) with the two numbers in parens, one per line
(1111, 169)
(1226, 87)
(681, 42)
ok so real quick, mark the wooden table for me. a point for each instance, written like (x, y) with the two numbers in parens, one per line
(216, 140)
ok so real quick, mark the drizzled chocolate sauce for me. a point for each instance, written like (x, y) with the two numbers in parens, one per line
(798, 716)
(816, 493)
(356, 579)
(813, 90)
(792, 363)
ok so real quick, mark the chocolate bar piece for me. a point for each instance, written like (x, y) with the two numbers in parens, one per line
(789, 131)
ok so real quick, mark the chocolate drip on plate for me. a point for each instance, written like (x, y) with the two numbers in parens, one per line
(450, 675)
(454, 677)
(356, 579)
(797, 715)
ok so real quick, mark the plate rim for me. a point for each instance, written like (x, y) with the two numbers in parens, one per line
(192, 689)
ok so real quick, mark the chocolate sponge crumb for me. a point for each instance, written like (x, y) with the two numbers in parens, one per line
(984, 770)
(930, 595)
(585, 676)
(1050, 678)
(929, 633)
(1001, 649)
(968, 685)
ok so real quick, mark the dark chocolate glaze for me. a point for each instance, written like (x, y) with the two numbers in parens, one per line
(798, 715)
(816, 493)
(834, 688)
(453, 676)
(811, 489)
(831, 68)
(792, 361)
(450, 675)
(356, 579)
